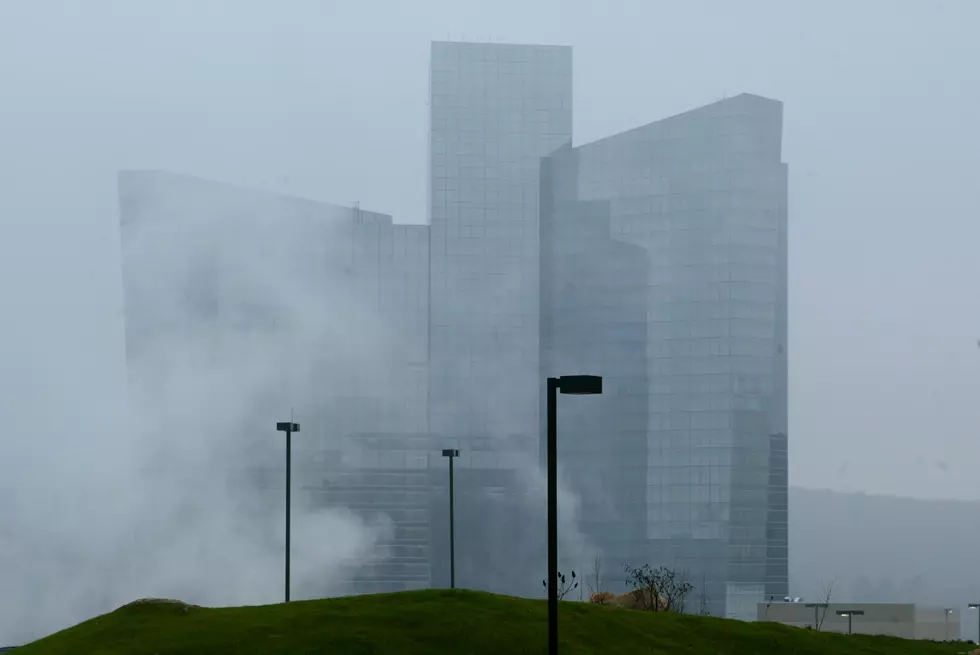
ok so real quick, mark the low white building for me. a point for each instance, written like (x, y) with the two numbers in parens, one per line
(894, 619)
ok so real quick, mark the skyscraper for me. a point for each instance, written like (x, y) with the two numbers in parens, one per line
(496, 110)
(655, 257)
(594, 320)
(704, 195)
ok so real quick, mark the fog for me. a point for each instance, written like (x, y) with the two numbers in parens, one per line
(912, 551)
(327, 101)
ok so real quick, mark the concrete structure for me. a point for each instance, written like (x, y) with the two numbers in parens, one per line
(703, 197)
(904, 620)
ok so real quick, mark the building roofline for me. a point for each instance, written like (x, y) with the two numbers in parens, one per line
(683, 114)
(238, 188)
(506, 44)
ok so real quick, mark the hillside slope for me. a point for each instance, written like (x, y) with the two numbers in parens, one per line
(435, 621)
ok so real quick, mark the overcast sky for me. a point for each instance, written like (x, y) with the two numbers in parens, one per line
(327, 99)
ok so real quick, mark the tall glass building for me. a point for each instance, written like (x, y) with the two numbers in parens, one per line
(655, 257)
(704, 196)
(594, 320)
(496, 110)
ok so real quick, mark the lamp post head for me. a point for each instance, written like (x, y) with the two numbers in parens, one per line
(948, 610)
(850, 612)
(450, 452)
(974, 606)
(287, 426)
(580, 385)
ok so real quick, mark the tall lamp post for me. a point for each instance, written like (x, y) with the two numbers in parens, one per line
(452, 454)
(976, 606)
(288, 427)
(850, 614)
(577, 385)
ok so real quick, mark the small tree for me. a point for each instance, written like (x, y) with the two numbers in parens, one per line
(828, 593)
(658, 589)
(595, 581)
(703, 597)
(564, 587)
(675, 590)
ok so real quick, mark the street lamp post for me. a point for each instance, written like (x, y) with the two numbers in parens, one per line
(946, 613)
(850, 614)
(976, 606)
(452, 454)
(816, 613)
(288, 427)
(579, 385)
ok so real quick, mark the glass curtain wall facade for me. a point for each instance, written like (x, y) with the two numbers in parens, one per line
(594, 320)
(500, 543)
(656, 257)
(400, 482)
(390, 273)
(496, 110)
(704, 194)
(387, 481)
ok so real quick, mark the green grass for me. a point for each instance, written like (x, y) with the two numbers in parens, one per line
(427, 622)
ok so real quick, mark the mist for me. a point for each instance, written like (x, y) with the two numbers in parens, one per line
(108, 482)
(152, 511)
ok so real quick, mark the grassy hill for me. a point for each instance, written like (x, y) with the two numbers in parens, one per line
(428, 622)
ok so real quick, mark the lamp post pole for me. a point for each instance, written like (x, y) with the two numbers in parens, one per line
(579, 385)
(850, 614)
(288, 427)
(553, 385)
(452, 454)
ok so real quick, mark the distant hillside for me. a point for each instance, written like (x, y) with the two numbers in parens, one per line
(885, 548)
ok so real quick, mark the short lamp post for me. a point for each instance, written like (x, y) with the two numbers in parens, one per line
(976, 606)
(288, 427)
(947, 612)
(578, 385)
(816, 613)
(850, 614)
(452, 454)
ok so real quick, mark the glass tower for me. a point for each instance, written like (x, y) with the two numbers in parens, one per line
(496, 110)
(704, 194)
(594, 320)
(655, 257)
